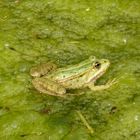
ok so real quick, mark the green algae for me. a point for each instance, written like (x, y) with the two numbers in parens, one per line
(67, 32)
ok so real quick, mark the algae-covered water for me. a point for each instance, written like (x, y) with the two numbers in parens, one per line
(67, 32)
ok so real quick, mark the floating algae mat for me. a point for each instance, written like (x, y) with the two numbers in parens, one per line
(68, 32)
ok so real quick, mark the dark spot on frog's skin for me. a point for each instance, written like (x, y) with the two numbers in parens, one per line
(97, 65)
(70, 84)
(41, 75)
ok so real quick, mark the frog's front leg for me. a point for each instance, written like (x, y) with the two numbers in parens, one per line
(42, 69)
(48, 86)
(93, 87)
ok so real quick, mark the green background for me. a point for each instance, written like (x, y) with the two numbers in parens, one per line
(67, 32)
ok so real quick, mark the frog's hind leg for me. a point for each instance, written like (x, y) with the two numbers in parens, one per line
(49, 87)
(102, 87)
(42, 69)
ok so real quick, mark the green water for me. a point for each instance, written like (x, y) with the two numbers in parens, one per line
(67, 32)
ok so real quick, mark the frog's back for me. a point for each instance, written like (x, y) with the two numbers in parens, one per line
(71, 71)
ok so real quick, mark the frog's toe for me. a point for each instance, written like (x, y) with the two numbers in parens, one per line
(112, 82)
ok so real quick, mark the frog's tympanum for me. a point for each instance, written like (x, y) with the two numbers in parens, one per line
(51, 80)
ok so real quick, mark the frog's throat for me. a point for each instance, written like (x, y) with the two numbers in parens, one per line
(93, 79)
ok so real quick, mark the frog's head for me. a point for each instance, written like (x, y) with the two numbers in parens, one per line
(99, 67)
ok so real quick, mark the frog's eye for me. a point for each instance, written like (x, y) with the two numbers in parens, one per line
(97, 65)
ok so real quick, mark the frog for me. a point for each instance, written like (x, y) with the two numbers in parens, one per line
(51, 80)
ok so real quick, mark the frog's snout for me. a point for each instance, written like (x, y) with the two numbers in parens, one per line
(106, 62)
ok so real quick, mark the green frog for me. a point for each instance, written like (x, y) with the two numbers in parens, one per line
(55, 81)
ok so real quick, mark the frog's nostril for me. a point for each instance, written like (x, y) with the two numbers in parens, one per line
(105, 61)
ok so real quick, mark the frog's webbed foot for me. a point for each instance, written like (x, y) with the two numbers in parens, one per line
(111, 82)
(42, 69)
(49, 87)
(103, 87)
